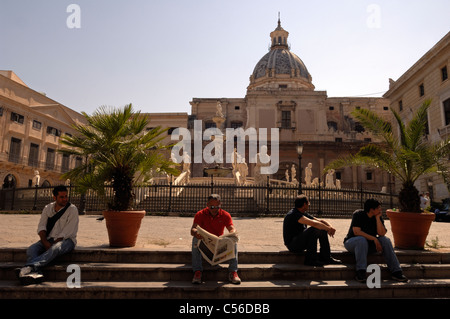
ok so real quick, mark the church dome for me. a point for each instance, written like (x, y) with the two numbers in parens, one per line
(280, 66)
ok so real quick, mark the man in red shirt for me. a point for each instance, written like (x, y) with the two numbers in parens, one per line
(213, 219)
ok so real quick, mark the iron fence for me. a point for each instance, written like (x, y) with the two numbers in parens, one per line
(250, 200)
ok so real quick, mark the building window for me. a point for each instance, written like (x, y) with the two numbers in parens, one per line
(359, 128)
(236, 124)
(369, 176)
(444, 73)
(282, 86)
(332, 125)
(447, 111)
(421, 90)
(209, 124)
(37, 125)
(331, 108)
(400, 105)
(286, 119)
(237, 107)
(14, 150)
(53, 131)
(17, 118)
(78, 161)
(50, 161)
(338, 139)
(1, 110)
(65, 163)
(33, 158)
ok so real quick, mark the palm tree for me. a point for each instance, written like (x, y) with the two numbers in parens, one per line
(406, 155)
(118, 151)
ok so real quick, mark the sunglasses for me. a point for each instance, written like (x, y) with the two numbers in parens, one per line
(214, 207)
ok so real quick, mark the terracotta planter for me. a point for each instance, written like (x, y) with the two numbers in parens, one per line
(410, 230)
(123, 227)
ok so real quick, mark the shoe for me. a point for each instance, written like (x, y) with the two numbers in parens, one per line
(361, 275)
(331, 261)
(23, 271)
(398, 275)
(234, 278)
(31, 279)
(197, 277)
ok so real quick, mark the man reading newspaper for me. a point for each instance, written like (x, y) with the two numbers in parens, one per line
(208, 240)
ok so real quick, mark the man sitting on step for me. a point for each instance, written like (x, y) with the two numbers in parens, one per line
(298, 237)
(57, 229)
(367, 235)
(213, 219)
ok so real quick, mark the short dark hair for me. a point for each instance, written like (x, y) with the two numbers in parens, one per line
(371, 203)
(59, 188)
(300, 201)
(214, 197)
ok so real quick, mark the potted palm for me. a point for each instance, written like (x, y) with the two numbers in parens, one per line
(119, 152)
(407, 155)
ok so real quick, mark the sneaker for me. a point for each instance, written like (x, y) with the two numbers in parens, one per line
(398, 275)
(197, 277)
(32, 279)
(234, 278)
(21, 272)
(361, 275)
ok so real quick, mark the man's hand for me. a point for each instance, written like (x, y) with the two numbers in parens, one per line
(378, 245)
(196, 234)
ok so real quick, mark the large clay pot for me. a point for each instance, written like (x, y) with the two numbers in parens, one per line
(410, 230)
(123, 227)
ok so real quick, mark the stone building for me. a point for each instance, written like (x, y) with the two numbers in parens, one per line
(427, 79)
(281, 95)
(31, 125)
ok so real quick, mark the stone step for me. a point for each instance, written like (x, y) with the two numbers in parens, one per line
(261, 290)
(245, 257)
(247, 272)
(132, 273)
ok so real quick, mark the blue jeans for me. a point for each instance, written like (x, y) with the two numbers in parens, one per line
(360, 247)
(197, 258)
(38, 257)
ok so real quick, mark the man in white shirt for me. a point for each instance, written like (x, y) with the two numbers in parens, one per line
(56, 237)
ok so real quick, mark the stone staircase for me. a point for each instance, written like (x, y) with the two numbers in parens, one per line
(129, 273)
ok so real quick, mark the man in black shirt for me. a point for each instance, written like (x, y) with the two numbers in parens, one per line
(298, 237)
(367, 235)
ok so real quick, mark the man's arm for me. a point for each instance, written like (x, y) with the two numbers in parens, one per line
(317, 223)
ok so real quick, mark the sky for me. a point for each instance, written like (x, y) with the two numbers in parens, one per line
(160, 54)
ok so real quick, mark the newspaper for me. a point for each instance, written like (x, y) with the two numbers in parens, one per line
(217, 249)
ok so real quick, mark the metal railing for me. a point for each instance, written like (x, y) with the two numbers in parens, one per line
(250, 200)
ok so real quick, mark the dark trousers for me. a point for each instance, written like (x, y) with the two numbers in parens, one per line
(308, 240)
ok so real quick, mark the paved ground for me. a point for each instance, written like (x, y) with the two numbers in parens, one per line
(173, 233)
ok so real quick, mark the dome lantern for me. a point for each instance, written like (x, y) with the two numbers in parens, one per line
(280, 68)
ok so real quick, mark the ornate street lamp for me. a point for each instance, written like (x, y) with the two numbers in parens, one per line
(299, 152)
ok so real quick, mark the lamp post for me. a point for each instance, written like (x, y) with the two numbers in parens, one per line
(299, 153)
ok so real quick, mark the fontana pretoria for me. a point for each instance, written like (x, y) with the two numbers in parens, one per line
(281, 94)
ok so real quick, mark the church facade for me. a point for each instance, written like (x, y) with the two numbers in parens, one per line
(281, 95)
